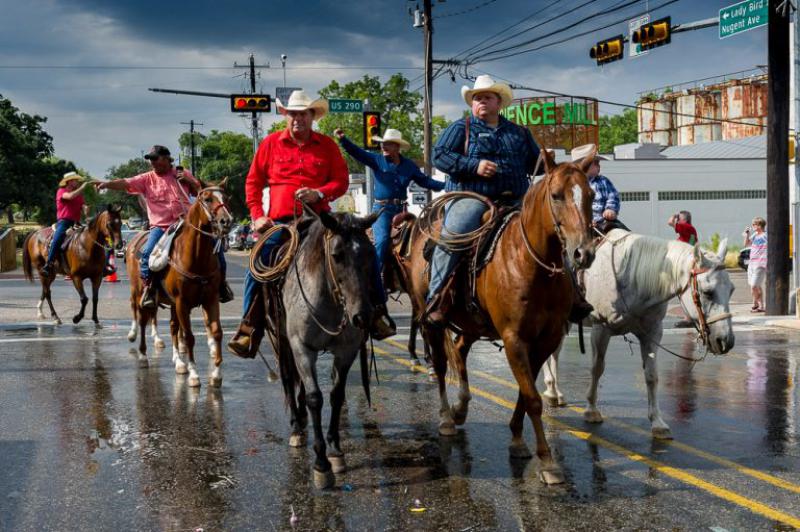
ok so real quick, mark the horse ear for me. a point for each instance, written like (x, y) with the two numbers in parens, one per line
(548, 160)
(366, 222)
(203, 184)
(222, 184)
(587, 161)
(328, 221)
(722, 250)
(699, 257)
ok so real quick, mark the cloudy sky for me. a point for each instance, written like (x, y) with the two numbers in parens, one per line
(87, 64)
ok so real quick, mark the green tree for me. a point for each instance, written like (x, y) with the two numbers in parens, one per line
(24, 148)
(618, 129)
(225, 154)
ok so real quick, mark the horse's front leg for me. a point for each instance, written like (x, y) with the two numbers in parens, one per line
(412, 343)
(182, 312)
(178, 348)
(342, 363)
(600, 339)
(143, 316)
(552, 393)
(306, 362)
(447, 426)
(648, 344)
(460, 410)
(214, 335)
(158, 342)
(96, 282)
(78, 284)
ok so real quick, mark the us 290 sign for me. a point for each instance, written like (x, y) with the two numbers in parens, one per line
(345, 106)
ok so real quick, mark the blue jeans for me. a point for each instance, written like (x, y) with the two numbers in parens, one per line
(382, 231)
(58, 239)
(152, 239)
(460, 216)
(251, 286)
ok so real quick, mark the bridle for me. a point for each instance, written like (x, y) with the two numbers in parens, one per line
(703, 322)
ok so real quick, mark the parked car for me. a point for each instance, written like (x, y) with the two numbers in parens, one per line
(240, 237)
(127, 236)
(744, 258)
(135, 223)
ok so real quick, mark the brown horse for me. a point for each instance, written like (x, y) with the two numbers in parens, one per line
(86, 257)
(191, 280)
(529, 269)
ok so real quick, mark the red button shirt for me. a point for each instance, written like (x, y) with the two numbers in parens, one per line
(284, 166)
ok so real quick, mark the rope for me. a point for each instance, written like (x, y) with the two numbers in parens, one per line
(263, 273)
(434, 211)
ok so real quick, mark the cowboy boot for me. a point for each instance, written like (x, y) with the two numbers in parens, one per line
(251, 330)
(225, 292)
(383, 325)
(148, 300)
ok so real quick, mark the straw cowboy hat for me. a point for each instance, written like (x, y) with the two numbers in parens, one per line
(582, 151)
(70, 176)
(485, 83)
(300, 101)
(393, 135)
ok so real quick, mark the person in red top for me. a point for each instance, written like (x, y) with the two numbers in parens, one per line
(69, 204)
(298, 165)
(682, 223)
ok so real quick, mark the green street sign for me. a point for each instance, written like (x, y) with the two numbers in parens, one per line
(742, 16)
(345, 106)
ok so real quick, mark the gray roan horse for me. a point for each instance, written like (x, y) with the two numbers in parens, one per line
(630, 284)
(326, 297)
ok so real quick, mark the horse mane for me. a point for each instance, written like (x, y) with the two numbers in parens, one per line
(653, 264)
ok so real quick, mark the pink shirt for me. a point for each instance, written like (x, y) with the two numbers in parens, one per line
(165, 200)
(68, 209)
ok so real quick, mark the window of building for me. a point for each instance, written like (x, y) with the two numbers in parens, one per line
(700, 195)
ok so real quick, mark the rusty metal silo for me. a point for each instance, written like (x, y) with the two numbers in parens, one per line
(697, 114)
(657, 122)
(744, 101)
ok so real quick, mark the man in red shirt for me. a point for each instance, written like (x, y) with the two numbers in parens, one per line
(69, 204)
(298, 165)
(682, 223)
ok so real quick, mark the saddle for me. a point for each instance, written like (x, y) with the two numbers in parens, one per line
(402, 226)
(159, 258)
(46, 235)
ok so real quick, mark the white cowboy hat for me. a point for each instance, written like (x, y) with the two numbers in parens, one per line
(485, 83)
(70, 176)
(393, 135)
(300, 101)
(582, 151)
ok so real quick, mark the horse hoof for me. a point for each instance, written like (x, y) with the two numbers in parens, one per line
(661, 433)
(194, 382)
(76, 319)
(58, 321)
(338, 464)
(215, 382)
(323, 480)
(432, 376)
(297, 439)
(555, 401)
(593, 416)
(131, 336)
(98, 325)
(181, 369)
(447, 428)
(551, 475)
(519, 452)
(159, 344)
(459, 418)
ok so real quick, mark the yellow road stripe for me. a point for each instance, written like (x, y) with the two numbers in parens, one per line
(760, 475)
(678, 474)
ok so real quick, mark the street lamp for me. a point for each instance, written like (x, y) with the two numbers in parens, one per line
(283, 65)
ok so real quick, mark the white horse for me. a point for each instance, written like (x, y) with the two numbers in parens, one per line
(630, 284)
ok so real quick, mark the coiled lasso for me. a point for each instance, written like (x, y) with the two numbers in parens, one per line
(435, 211)
(263, 273)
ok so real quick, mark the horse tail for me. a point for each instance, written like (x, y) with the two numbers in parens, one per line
(27, 261)
(363, 359)
(453, 355)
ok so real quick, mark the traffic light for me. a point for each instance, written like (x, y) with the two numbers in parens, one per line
(654, 34)
(608, 50)
(372, 127)
(250, 103)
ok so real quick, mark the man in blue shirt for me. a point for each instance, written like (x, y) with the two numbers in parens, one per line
(393, 174)
(605, 206)
(483, 153)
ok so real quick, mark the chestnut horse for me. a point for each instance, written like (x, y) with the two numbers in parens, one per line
(86, 258)
(529, 269)
(190, 280)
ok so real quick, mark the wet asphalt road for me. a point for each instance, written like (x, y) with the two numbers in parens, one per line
(89, 441)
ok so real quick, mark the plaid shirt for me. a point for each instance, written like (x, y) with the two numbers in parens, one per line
(605, 197)
(508, 145)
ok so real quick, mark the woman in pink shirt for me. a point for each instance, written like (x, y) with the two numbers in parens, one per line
(166, 192)
(69, 204)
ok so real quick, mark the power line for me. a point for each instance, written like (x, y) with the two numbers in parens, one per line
(561, 29)
(575, 36)
(465, 11)
(551, 19)
(137, 67)
(515, 85)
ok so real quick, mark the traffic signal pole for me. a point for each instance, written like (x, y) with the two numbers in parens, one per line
(254, 124)
(777, 286)
(428, 96)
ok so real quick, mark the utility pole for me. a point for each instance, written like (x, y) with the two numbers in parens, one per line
(254, 125)
(796, 185)
(191, 124)
(428, 95)
(777, 288)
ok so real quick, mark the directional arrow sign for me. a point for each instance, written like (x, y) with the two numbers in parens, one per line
(742, 16)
